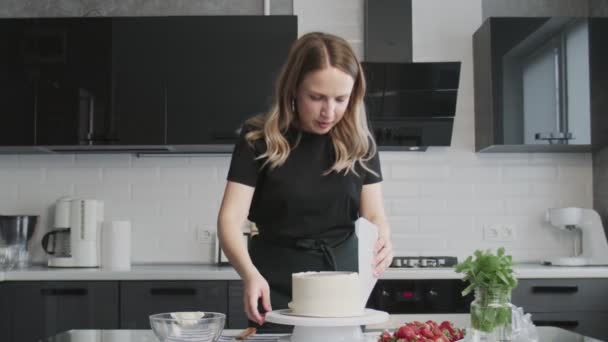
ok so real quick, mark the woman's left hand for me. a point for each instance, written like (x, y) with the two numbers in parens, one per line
(384, 255)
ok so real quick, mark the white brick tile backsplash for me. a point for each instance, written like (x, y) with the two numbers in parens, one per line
(529, 206)
(130, 175)
(475, 174)
(9, 160)
(401, 189)
(209, 194)
(220, 160)
(408, 243)
(188, 175)
(130, 209)
(8, 192)
(78, 175)
(475, 206)
(142, 192)
(106, 192)
(45, 193)
(574, 173)
(403, 224)
(163, 161)
(415, 171)
(529, 172)
(103, 160)
(391, 156)
(561, 158)
(503, 158)
(501, 190)
(46, 160)
(16, 175)
(416, 206)
(195, 209)
(447, 223)
(556, 189)
(446, 190)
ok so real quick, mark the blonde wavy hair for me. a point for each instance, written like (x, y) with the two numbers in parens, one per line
(351, 138)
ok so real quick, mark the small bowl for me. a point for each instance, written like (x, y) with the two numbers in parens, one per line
(187, 326)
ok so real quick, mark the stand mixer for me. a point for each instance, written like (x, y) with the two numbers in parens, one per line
(590, 243)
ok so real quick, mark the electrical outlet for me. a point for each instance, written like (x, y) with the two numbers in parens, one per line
(499, 232)
(204, 235)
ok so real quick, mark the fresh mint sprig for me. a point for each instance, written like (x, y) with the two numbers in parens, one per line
(487, 270)
(491, 276)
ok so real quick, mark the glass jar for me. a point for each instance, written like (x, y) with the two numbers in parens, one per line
(491, 315)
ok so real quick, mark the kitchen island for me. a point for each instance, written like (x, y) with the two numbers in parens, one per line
(549, 334)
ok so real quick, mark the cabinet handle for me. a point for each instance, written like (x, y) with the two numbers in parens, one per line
(555, 289)
(559, 324)
(169, 291)
(64, 292)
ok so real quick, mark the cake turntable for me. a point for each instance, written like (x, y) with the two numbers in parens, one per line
(326, 329)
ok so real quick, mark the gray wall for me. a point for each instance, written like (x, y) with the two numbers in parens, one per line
(69, 8)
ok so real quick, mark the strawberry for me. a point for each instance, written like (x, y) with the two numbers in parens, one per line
(437, 332)
(426, 332)
(447, 325)
(405, 332)
(432, 324)
(386, 337)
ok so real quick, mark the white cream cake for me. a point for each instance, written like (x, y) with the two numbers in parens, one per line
(326, 294)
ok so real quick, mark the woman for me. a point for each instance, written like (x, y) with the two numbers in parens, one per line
(304, 172)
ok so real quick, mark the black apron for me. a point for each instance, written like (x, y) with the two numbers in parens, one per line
(277, 258)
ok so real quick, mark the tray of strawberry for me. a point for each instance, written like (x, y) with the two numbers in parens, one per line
(430, 331)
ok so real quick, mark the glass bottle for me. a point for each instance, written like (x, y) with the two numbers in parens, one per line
(491, 315)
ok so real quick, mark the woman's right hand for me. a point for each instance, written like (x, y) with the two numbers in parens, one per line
(256, 288)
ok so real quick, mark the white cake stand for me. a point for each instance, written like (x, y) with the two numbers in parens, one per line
(326, 329)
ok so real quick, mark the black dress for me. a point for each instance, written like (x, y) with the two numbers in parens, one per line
(305, 219)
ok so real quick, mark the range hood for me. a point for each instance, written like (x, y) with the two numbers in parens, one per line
(410, 105)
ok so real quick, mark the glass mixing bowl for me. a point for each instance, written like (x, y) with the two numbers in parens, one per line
(188, 326)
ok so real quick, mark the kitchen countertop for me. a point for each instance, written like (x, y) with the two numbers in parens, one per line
(213, 272)
(545, 334)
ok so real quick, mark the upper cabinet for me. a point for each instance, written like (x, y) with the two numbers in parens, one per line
(17, 97)
(136, 84)
(540, 84)
(221, 71)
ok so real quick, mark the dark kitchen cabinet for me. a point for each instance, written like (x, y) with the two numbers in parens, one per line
(17, 96)
(106, 86)
(138, 81)
(580, 305)
(140, 299)
(237, 319)
(73, 61)
(540, 84)
(218, 74)
(5, 312)
(42, 309)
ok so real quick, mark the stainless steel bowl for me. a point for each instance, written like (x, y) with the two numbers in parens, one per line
(17, 228)
(186, 327)
(15, 233)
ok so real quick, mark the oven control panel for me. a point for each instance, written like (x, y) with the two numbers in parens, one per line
(423, 261)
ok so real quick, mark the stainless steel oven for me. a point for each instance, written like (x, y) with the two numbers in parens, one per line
(420, 299)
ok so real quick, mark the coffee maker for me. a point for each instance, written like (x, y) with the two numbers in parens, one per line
(74, 242)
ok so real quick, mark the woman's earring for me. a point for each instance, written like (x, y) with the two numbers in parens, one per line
(293, 105)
